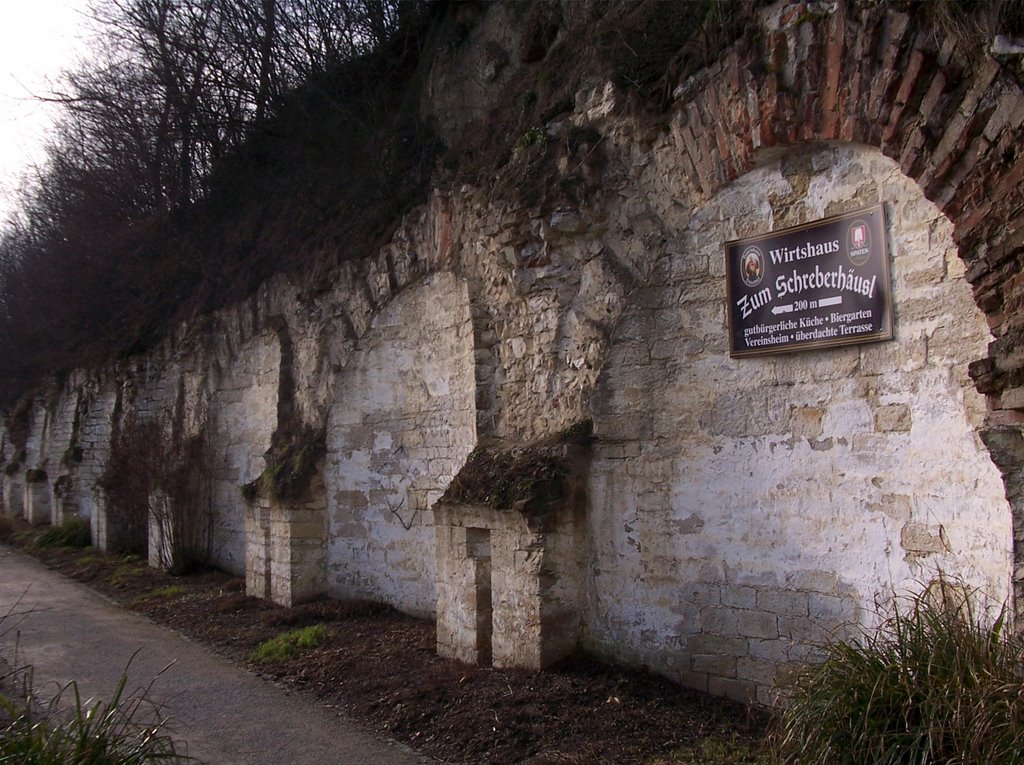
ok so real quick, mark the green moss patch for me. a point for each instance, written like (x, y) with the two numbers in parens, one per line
(288, 644)
(531, 479)
(290, 468)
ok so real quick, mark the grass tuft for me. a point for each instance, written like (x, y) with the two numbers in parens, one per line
(287, 645)
(125, 573)
(74, 532)
(718, 749)
(77, 733)
(935, 683)
(168, 591)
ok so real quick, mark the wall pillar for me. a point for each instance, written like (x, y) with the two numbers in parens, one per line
(37, 502)
(507, 591)
(161, 530)
(98, 521)
(285, 549)
(14, 496)
(63, 502)
(464, 605)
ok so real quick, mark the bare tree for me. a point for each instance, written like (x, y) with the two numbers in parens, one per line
(180, 96)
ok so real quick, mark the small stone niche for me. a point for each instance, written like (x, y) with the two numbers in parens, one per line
(509, 569)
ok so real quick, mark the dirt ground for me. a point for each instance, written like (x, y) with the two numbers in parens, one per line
(381, 667)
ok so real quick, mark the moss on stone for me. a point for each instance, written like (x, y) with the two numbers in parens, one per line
(35, 475)
(290, 468)
(531, 479)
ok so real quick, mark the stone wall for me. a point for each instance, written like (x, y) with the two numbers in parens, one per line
(61, 455)
(401, 426)
(101, 399)
(37, 490)
(242, 420)
(738, 509)
(743, 509)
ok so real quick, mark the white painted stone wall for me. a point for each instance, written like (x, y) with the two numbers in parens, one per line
(401, 426)
(242, 419)
(94, 439)
(37, 493)
(743, 509)
(739, 508)
(60, 454)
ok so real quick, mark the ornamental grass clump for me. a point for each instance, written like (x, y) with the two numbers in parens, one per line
(935, 683)
(85, 733)
(74, 532)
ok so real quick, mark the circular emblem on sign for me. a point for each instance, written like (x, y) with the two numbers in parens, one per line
(751, 266)
(858, 242)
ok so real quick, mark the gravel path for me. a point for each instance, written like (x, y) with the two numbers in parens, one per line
(224, 714)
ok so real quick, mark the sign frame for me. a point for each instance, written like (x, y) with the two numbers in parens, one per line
(842, 259)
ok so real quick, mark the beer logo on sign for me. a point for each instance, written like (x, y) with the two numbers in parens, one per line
(752, 266)
(858, 242)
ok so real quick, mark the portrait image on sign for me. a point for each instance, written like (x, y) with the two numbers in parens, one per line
(753, 267)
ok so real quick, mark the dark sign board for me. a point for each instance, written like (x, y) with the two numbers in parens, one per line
(818, 285)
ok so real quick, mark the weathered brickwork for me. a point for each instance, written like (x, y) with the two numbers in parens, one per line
(738, 510)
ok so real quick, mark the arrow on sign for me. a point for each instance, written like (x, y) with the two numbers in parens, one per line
(788, 308)
(837, 300)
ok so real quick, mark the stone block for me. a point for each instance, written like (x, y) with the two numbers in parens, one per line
(717, 645)
(907, 355)
(923, 539)
(738, 597)
(701, 594)
(782, 602)
(831, 609)
(769, 696)
(804, 630)
(757, 624)
(714, 664)
(719, 621)
(741, 691)
(763, 411)
(806, 421)
(776, 651)
(757, 671)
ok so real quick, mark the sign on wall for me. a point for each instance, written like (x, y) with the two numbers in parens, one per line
(817, 285)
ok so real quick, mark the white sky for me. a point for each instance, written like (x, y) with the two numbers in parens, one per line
(37, 39)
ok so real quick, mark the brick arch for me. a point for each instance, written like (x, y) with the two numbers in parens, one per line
(878, 77)
(886, 79)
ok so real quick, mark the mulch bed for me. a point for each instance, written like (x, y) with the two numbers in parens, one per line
(381, 667)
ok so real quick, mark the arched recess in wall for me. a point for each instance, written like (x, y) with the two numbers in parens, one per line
(765, 501)
(951, 119)
(242, 417)
(401, 426)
